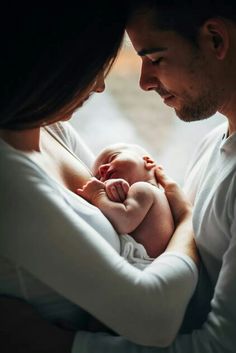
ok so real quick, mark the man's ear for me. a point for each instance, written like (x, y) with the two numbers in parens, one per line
(149, 162)
(217, 32)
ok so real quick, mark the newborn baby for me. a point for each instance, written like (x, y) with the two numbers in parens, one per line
(126, 191)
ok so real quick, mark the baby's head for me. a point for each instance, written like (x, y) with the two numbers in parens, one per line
(127, 161)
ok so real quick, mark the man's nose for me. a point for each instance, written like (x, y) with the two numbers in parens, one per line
(148, 77)
(102, 170)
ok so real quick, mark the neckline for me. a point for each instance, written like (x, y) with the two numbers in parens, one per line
(53, 181)
(226, 141)
(62, 143)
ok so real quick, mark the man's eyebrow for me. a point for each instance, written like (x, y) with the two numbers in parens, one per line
(144, 52)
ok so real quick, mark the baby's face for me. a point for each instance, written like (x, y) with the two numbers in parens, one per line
(122, 163)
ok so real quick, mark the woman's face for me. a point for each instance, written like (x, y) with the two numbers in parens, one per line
(98, 86)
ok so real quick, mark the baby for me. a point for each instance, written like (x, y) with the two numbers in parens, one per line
(126, 191)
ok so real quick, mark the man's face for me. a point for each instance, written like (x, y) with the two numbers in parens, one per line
(179, 72)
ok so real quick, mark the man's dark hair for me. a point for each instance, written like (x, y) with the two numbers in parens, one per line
(183, 16)
(51, 54)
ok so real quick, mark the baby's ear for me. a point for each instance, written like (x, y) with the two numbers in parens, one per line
(149, 162)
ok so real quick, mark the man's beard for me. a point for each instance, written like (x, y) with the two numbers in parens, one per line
(200, 109)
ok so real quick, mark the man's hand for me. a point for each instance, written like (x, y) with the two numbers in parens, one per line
(181, 208)
(117, 189)
(91, 190)
(179, 203)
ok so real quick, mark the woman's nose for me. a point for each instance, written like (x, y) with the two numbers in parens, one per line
(148, 78)
(100, 84)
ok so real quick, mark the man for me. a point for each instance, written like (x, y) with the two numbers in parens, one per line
(188, 52)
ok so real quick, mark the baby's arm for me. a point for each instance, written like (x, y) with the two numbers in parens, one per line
(125, 216)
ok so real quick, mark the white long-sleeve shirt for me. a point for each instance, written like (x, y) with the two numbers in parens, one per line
(61, 254)
(212, 183)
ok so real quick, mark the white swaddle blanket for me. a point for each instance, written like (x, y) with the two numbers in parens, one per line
(134, 252)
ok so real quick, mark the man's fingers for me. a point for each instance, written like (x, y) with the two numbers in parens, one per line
(162, 178)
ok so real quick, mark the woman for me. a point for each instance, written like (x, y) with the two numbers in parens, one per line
(58, 252)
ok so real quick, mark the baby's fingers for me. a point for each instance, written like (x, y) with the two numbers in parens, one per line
(114, 193)
(122, 191)
(117, 190)
(79, 191)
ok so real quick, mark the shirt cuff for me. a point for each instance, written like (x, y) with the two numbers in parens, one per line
(173, 258)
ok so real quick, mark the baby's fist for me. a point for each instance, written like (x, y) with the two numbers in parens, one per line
(117, 189)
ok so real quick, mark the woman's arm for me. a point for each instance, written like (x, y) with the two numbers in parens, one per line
(49, 240)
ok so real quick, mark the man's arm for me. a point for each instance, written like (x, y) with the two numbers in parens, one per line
(125, 216)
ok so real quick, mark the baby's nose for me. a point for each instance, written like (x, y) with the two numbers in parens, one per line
(102, 170)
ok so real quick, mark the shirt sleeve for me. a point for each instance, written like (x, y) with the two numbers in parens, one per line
(44, 235)
(217, 334)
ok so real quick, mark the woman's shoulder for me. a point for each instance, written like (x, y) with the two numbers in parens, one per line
(13, 161)
(20, 175)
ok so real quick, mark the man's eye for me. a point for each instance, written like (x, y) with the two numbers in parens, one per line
(157, 61)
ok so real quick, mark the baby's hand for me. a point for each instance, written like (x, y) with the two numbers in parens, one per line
(116, 189)
(91, 190)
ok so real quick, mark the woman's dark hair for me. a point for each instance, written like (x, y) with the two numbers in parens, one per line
(183, 16)
(51, 55)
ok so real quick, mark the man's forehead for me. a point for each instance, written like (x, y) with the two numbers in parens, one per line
(147, 39)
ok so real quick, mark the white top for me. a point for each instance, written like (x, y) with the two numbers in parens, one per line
(212, 182)
(54, 252)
